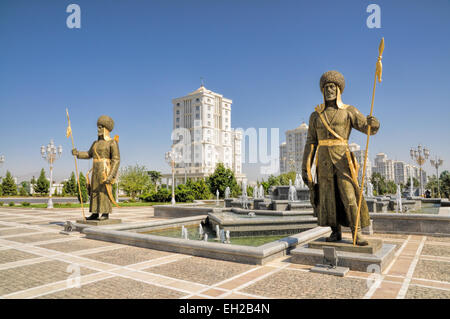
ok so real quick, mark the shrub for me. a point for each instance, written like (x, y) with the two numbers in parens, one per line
(11, 204)
(25, 204)
(1, 203)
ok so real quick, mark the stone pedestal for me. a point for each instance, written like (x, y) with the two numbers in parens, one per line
(376, 256)
(109, 221)
(228, 202)
(371, 205)
(257, 202)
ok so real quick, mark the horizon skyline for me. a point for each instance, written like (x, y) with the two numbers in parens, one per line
(129, 60)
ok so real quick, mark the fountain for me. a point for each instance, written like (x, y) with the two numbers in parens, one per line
(217, 197)
(292, 197)
(200, 230)
(184, 233)
(243, 199)
(227, 192)
(217, 232)
(255, 192)
(398, 207)
(261, 192)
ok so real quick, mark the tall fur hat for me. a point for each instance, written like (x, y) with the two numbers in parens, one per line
(332, 76)
(106, 122)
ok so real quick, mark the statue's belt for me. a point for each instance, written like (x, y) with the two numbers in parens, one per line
(339, 141)
(333, 142)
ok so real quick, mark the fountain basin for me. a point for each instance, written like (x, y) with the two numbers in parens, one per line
(132, 234)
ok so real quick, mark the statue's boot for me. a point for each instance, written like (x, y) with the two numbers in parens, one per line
(93, 217)
(104, 217)
(336, 234)
(360, 240)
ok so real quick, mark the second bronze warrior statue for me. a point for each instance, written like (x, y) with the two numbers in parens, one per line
(106, 158)
(334, 196)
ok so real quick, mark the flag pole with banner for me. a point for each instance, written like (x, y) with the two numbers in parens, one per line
(378, 72)
(69, 134)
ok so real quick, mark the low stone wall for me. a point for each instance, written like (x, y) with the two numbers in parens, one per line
(180, 210)
(420, 224)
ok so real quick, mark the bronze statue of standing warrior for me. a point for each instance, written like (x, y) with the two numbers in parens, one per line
(106, 158)
(334, 197)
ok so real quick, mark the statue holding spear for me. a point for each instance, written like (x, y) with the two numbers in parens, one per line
(336, 196)
(106, 158)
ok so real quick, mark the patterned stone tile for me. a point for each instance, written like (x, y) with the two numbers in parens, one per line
(127, 255)
(12, 255)
(30, 276)
(116, 288)
(436, 250)
(434, 270)
(435, 238)
(16, 231)
(417, 292)
(300, 284)
(201, 270)
(36, 237)
(75, 245)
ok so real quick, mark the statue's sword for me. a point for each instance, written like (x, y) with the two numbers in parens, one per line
(378, 72)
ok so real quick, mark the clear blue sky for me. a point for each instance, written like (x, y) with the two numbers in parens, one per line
(130, 58)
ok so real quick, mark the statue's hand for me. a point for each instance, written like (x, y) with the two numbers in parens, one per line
(74, 152)
(372, 121)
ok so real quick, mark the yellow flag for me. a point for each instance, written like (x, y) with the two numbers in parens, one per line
(68, 131)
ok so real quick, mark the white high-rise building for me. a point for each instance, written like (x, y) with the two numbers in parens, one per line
(291, 152)
(384, 166)
(400, 172)
(203, 136)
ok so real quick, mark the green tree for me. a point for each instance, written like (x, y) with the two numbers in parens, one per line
(391, 187)
(200, 189)
(154, 177)
(24, 189)
(379, 184)
(221, 179)
(135, 180)
(70, 187)
(84, 191)
(42, 184)
(9, 187)
(444, 181)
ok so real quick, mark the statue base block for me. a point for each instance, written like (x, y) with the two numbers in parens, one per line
(328, 270)
(109, 221)
(372, 258)
(347, 245)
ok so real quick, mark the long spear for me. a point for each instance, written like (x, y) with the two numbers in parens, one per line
(69, 133)
(378, 72)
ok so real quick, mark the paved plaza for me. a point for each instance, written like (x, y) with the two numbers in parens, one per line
(36, 261)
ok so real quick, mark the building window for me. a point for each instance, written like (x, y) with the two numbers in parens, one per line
(197, 116)
(209, 123)
(178, 104)
(209, 115)
(178, 120)
(197, 108)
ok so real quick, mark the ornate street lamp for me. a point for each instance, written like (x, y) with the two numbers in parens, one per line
(436, 162)
(50, 154)
(420, 156)
(2, 160)
(172, 157)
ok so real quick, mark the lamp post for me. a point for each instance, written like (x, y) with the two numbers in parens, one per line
(50, 154)
(2, 160)
(436, 162)
(420, 156)
(171, 158)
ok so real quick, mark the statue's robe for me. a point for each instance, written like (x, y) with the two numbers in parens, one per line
(338, 189)
(106, 160)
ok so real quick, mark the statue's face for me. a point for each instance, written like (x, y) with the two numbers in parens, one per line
(330, 91)
(100, 130)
